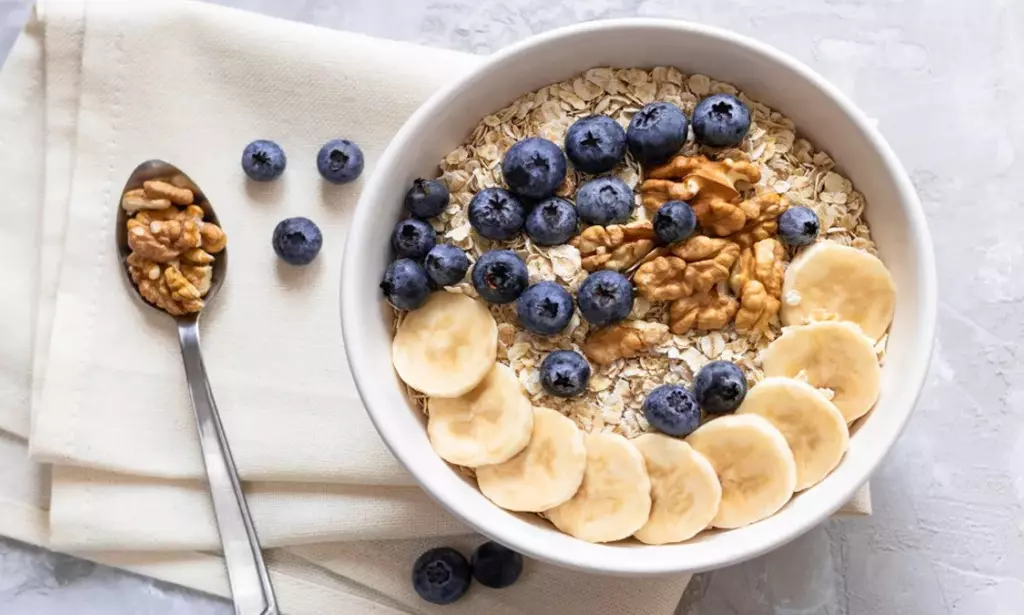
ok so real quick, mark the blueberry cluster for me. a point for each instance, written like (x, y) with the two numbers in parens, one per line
(442, 575)
(719, 388)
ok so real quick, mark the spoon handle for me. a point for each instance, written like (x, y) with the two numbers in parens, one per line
(247, 573)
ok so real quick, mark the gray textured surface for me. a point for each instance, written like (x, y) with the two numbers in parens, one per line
(943, 78)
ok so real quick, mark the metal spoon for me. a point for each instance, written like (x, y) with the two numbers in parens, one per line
(250, 584)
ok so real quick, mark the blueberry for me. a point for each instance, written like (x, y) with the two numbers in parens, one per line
(499, 276)
(720, 387)
(263, 160)
(405, 284)
(441, 575)
(496, 565)
(564, 373)
(544, 308)
(427, 198)
(675, 221)
(496, 214)
(604, 201)
(605, 297)
(413, 238)
(534, 167)
(340, 161)
(297, 240)
(720, 120)
(672, 410)
(798, 226)
(595, 144)
(656, 132)
(551, 222)
(446, 265)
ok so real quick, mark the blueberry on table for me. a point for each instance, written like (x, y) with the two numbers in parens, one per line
(674, 221)
(604, 201)
(340, 161)
(720, 120)
(799, 226)
(551, 222)
(595, 144)
(427, 198)
(495, 565)
(672, 410)
(297, 240)
(263, 160)
(413, 238)
(496, 213)
(446, 265)
(656, 132)
(405, 284)
(605, 297)
(720, 387)
(544, 308)
(499, 276)
(534, 167)
(564, 373)
(441, 575)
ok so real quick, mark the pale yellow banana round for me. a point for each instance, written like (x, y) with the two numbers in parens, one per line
(543, 475)
(753, 463)
(446, 347)
(830, 281)
(487, 425)
(829, 355)
(685, 492)
(813, 427)
(615, 498)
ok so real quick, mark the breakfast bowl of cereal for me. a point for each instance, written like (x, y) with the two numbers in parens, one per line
(639, 297)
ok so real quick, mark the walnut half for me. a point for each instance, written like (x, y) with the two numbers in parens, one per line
(709, 310)
(623, 340)
(616, 246)
(757, 281)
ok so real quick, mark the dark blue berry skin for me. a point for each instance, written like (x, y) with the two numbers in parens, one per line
(413, 238)
(534, 168)
(340, 161)
(799, 226)
(544, 308)
(564, 373)
(496, 565)
(656, 132)
(427, 198)
(499, 276)
(604, 201)
(720, 120)
(441, 575)
(263, 160)
(551, 222)
(720, 387)
(672, 410)
(675, 221)
(595, 144)
(297, 240)
(446, 265)
(405, 284)
(496, 213)
(605, 297)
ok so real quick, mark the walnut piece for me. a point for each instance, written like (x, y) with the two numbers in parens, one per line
(709, 310)
(156, 189)
(137, 200)
(617, 246)
(623, 340)
(213, 238)
(663, 279)
(164, 286)
(757, 281)
(708, 260)
(764, 223)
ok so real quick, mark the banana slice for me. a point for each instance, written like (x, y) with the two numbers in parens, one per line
(753, 464)
(812, 425)
(488, 425)
(446, 347)
(829, 355)
(544, 474)
(615, 498)
(830, 281)
(685, 492)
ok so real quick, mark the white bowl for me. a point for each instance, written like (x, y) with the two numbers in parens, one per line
(822, 114)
